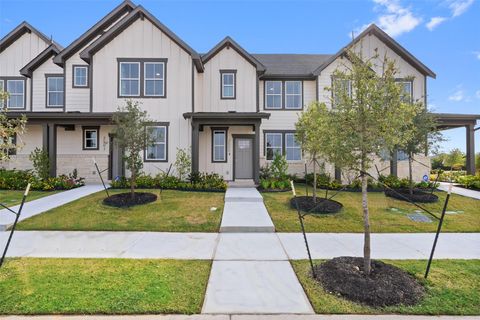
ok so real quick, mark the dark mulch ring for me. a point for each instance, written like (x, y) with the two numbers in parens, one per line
(417, 196)
(125, 200)
(387, 285)
(274, 190)
(322, 205)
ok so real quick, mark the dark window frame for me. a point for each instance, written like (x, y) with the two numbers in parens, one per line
(87, 83)
(234, 73)
(91, 128)
(167, 145)
(141, 62)
(225, 131)
(164, 80)
(54, 75)
(283, 94)
(283, 146)
(5, 89)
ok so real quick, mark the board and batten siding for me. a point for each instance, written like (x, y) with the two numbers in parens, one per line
(144, 40)
(39, 83)
(210, 84)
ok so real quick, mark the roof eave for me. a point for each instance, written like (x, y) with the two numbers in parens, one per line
(43, 56)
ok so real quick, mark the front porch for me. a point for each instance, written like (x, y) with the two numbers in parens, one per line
(227, 143)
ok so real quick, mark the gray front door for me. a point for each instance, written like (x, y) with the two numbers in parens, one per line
(116, 160)
(243, 161)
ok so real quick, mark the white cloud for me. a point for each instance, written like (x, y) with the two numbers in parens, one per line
(477, 94)
(393, 18)
(458, 95)
(435, 22)
(459, 7)
(477, 54)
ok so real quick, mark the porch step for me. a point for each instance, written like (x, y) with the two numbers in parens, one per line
(246, 217)
(243, 195)
(242, 183)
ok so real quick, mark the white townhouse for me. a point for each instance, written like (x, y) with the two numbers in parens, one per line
(233, 109)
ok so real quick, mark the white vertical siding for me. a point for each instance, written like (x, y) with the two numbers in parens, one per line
(39, 83)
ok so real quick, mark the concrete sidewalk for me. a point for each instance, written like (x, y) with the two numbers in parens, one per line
(32, 208)
(243, 317)
(459, 190)
(236, 246)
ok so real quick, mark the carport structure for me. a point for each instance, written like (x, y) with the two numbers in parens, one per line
(469, 121)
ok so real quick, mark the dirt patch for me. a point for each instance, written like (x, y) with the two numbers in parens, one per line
(125, 200)
(322, 205)
(417, 196)
(386, 285)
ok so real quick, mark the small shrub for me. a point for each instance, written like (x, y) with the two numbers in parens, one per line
(279, 167)
(183, 163)
(41, 162)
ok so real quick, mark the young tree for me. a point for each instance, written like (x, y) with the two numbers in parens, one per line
(183, 163)
(366, 115)
(455, 159)
(9, 129)
(421, 135)
(313, 135)
(133, 136)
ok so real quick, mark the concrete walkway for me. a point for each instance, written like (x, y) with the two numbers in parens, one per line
(32, 208)
(243, 317)
(236, 246)
(459, 190)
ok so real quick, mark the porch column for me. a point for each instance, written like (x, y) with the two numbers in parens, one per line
(394, 164)
(256, 153)
(195, 145)
(470, 149)
(52, 148)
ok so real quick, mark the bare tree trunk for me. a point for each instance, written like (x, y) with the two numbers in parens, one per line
(366, 225)
(132, 183)
(314, 179)
(410, 175)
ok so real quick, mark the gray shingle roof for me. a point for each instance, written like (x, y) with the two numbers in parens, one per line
(291, 64)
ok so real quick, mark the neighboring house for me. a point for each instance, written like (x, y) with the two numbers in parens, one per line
(233, 109)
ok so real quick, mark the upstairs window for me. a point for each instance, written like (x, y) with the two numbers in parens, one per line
(273, 94)
(157, 151)
(154, 82)
(129, 79)
(55, 91)
(407, 90)
(219, 145)
(343, 86)
(293, 94)
(80, 76)
(228, 84)
(90, 138)
(16, 94)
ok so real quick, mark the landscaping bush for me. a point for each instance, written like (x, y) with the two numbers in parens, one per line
(275, 176)
(18, 180)
(469, 181)
(197, 182)
(397, 183)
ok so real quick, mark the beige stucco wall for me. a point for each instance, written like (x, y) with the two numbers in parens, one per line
(210, 83)
(31, 139)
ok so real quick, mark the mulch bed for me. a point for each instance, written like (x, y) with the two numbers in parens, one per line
(387, 285)
(274, 190)
(322, 205)
(125, 200)
(417, 196)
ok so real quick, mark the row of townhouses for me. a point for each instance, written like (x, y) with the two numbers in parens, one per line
(233, 109)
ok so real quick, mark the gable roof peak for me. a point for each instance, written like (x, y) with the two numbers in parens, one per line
(18, 31)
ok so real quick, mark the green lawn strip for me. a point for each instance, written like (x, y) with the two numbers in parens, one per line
(11, 198)
(102, 286)
(175, 211)
(382, 218)
(452, 288)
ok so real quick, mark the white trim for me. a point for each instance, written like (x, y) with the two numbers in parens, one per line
(158, 143)
(153, 79)
(54, 91)
(2, 89)
(120, 79)
(292, 147)
(75, 84)
(228, 85)
(274, 94)
(16, 94)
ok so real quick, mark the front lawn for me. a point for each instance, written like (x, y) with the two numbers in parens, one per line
(175, 211)
(384, 216)
(102, 286)
(11, 198)
(452, 288)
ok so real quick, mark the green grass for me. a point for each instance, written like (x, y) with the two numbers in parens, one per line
(382, 219)
(102, 286)
(175, 211)
(452, 288)
(11, 198)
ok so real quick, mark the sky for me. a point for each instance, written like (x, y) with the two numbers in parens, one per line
(443, 34)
